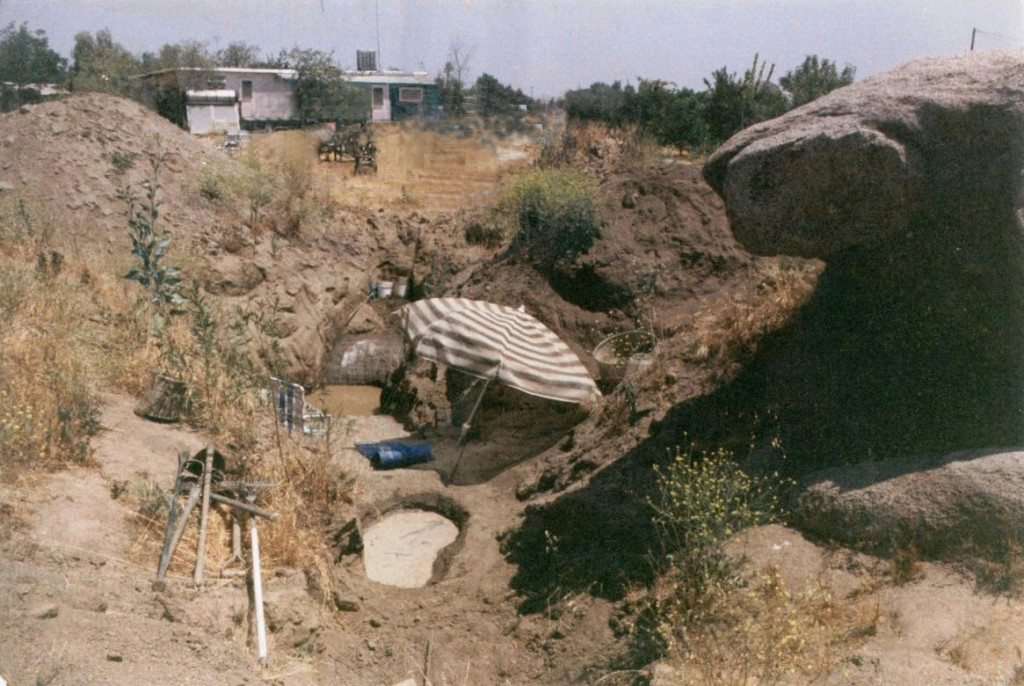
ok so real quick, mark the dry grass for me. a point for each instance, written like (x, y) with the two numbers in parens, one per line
(72, 326)
(765, 634)
(726, 335)
(48, 410)
(304, 488)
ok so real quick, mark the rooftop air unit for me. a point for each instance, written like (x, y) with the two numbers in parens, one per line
(366, 60)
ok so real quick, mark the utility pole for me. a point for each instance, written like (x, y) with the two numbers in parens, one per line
(380, 60)
(974, 32)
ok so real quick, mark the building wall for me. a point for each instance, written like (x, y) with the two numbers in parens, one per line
(428, 109)
(204, 119)
(272, 98)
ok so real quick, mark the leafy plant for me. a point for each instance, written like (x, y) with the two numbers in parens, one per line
(149, 246)
(555, 214)
(121, 162)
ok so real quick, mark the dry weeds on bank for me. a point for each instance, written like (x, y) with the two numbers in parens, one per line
(72, 326)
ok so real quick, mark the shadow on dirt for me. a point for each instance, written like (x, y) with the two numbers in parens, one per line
(901, 351)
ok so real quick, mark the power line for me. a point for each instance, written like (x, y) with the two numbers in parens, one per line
(975, 32)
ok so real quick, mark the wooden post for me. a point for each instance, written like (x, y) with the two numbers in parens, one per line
(257, 594)
(204, 514)
(193, 498)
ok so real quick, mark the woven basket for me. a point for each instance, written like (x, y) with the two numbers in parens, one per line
(165, 401)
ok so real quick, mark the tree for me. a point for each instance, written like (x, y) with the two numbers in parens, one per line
(732, 104)
(321, 91)
(493, 98)
(100, 64)
(814, 78)
(239, 55)
(600, 102)
(672, 116)
(26, 57)
(451, 82)
(26, 60)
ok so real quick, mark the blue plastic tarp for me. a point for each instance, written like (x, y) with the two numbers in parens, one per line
(392, 454)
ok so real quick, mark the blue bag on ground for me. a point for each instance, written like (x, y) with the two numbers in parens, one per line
(392, 454)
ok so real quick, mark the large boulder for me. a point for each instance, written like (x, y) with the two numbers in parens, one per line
(937, 139)
(908, 184)
(941, 506)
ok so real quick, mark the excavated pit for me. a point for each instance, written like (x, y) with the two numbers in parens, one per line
(411, 542)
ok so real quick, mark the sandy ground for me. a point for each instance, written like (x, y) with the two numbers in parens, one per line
(75, 611)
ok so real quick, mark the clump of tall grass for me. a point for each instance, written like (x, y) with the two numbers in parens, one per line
(727, 333)
(48, 407)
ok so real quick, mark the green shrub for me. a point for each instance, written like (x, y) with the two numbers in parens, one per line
(554, 213)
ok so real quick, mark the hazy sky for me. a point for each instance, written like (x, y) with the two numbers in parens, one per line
(548, 46)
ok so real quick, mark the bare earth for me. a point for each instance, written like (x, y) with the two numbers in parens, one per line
(76, 611)
(77, 599)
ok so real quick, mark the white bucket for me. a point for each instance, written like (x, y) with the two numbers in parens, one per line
(384, 289)
(401, 287)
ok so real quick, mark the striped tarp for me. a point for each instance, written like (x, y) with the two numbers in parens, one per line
(499, 343)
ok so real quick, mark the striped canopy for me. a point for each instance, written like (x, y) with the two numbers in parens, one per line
(499, 344)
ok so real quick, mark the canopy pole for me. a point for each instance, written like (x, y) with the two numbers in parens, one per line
(466, 425)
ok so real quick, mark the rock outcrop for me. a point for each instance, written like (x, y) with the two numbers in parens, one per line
(936, 141)
(909, 185)
(940, 506)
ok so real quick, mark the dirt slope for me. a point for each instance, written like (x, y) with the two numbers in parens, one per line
(75, 609)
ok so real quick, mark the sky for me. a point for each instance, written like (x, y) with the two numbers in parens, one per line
(546, 47)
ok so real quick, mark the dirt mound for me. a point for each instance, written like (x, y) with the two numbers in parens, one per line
(66, 155)
(301, 268)
(665, 240)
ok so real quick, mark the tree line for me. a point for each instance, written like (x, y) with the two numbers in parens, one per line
(691, 120)
(673, 116)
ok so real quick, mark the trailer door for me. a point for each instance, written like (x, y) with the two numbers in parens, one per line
(381, 103)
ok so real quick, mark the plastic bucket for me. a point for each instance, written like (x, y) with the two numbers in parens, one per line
(621, 352)
(401, 287)
(384, 289)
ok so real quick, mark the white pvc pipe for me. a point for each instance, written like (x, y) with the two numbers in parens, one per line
(257, 592)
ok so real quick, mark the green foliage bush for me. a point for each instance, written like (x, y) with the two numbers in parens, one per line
(555, 215)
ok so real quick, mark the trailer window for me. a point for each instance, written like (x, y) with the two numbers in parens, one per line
(246, 91)
(410, 95)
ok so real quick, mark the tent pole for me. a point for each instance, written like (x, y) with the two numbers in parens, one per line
(472, 413)
(465, 429)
